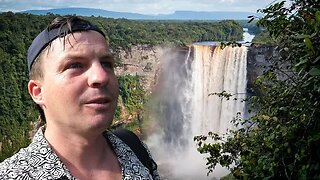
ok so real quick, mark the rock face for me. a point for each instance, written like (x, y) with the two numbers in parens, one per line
(258, 58)
(142, 60)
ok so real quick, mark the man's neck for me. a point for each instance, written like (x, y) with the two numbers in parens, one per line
(82, 155)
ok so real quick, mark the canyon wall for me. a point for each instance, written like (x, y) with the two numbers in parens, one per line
(142, 60)
(145, 61)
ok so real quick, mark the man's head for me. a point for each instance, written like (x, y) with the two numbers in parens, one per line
(71, 75)
(59, 27)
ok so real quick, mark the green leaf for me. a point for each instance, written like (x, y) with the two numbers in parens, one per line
(308, 43)
(314, 72)
(316, 60)
(315, 137)
(301, 63)
(317, 15)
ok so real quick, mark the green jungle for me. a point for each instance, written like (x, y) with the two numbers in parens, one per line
(279, 141)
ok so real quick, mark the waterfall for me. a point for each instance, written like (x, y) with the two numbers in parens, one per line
(185, 109)
(216, 70)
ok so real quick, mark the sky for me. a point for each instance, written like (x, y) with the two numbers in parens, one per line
(139, 6)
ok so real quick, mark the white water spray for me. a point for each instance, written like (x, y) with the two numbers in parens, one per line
(186, 109)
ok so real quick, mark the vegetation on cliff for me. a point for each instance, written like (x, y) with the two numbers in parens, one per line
(131, 103)
(281, 139)
(264, 38)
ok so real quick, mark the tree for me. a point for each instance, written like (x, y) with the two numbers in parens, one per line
(281, 139)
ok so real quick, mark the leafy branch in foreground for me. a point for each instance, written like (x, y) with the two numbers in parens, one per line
(280, 140)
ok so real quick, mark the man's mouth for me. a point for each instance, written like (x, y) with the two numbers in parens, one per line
(98, 100)
(98, 103)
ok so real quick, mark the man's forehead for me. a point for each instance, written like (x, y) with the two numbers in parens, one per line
(75, 40)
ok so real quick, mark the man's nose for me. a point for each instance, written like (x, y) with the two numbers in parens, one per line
(97, 76)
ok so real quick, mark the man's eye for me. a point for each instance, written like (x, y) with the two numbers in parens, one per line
(74, 66)
(107, 64)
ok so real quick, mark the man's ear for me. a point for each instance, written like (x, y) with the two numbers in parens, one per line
(35, 91)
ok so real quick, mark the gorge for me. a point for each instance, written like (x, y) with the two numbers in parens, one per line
(180, 81)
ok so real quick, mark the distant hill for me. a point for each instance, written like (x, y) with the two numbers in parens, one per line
(178, 15)
(89, 12)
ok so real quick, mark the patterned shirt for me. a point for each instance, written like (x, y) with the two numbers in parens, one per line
(39, 161)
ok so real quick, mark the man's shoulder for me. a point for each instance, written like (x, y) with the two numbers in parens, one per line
(16, 165)
(37, 161)
(131, 156)
(25, 158)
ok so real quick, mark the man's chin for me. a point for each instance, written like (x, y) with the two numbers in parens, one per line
(100, 123)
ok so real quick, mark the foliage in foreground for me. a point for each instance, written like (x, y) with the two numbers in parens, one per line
(281, 139)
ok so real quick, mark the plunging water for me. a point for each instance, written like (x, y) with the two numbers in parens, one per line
(216, 70)
(186, 108)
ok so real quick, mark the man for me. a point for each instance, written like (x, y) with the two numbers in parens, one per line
(73, 82)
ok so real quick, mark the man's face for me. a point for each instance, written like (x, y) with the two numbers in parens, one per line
(79, 87)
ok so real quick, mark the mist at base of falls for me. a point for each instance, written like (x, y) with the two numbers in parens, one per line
(184, 109)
